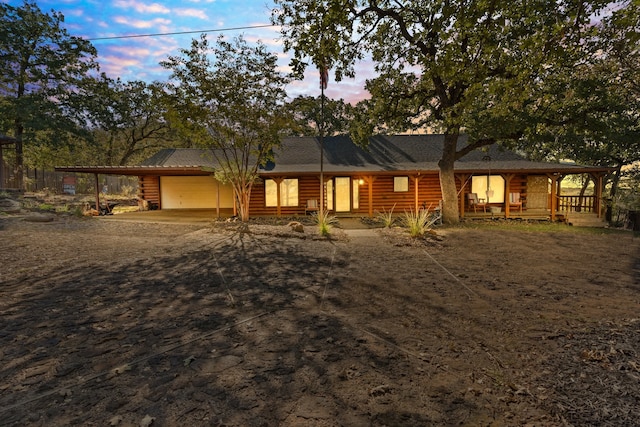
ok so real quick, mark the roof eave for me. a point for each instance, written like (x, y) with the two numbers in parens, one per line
(136, 170)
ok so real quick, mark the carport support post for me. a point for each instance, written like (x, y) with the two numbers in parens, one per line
(1, 167)
(97, 192)
(217, 198)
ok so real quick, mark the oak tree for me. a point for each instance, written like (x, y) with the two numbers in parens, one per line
(454, 66)
(41, 64)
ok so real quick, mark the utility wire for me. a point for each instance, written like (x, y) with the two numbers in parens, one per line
(134, 36)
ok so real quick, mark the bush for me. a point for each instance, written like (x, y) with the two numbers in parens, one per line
(386, 218)
(325, 222)
(419, 222)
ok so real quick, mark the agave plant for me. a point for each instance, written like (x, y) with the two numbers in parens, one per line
(386, 218)
(325, 222)
(419, 222)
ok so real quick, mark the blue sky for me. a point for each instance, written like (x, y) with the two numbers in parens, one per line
(139, 58)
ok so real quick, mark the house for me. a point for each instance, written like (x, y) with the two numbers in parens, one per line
(397, 172)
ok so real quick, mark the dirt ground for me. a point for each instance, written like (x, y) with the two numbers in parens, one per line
(126, 323)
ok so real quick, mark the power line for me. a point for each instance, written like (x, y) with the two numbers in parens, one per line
(134, 36)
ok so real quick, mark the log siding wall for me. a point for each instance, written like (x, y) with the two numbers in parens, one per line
(382, 197)
(149, 189)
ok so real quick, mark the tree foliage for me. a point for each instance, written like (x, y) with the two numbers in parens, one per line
(41, 65)
(309, 114)
(590, 112)
(126, 119)
(454, 66)
(229, 97)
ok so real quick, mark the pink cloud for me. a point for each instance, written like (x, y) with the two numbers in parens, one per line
(141, 7)
(138, 23)
(191, 13)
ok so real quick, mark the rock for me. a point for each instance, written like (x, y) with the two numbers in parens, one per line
(10, 206)
(296, 226)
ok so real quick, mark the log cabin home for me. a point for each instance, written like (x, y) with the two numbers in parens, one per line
(398, 172)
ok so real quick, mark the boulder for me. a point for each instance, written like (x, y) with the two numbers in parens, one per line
(10, 206)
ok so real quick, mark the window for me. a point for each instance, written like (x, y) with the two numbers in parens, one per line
(490, 188)
(400, 184)
(288, 192)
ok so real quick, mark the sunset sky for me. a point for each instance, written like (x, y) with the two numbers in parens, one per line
(138, 58)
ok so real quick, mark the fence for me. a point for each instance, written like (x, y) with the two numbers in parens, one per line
(46, 180)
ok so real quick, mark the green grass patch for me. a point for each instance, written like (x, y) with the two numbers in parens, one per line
(47, 207)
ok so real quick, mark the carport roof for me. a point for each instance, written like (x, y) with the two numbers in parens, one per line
(4, 139)
(384, 154)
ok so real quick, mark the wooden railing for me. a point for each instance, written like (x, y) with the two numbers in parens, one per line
(576, 203)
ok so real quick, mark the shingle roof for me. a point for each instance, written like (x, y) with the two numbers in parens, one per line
(181, 157)
(384, 153)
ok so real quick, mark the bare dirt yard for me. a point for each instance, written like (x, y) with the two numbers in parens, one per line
(126, 323)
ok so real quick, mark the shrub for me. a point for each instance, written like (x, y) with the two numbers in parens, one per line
(419, 222)
(386, 218)
(325, 222)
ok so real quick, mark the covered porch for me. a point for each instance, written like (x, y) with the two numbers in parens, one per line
(538, 196)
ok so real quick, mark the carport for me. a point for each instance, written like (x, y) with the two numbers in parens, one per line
(180, 194)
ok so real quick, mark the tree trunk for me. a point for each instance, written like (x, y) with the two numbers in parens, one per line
(19, 168)
(450, 211)
(583, 190)
(243, 196)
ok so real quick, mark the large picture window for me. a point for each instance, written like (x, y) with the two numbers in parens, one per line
(490, 188)
(288, 192)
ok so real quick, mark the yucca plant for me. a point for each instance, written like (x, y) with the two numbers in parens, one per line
(386, 218)
(325, 222)
(419, 222)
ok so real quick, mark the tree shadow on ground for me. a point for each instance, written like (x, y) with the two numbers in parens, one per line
(223, 333)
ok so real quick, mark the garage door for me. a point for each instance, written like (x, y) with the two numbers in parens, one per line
(194, 192)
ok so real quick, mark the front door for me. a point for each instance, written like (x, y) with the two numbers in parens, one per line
(343, 194)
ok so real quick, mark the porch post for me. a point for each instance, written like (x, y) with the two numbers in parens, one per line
(598, 193)
(278, 205)
(416, 180)
(97, 192)
(370, 190)
(507, 194)
(461, 194)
